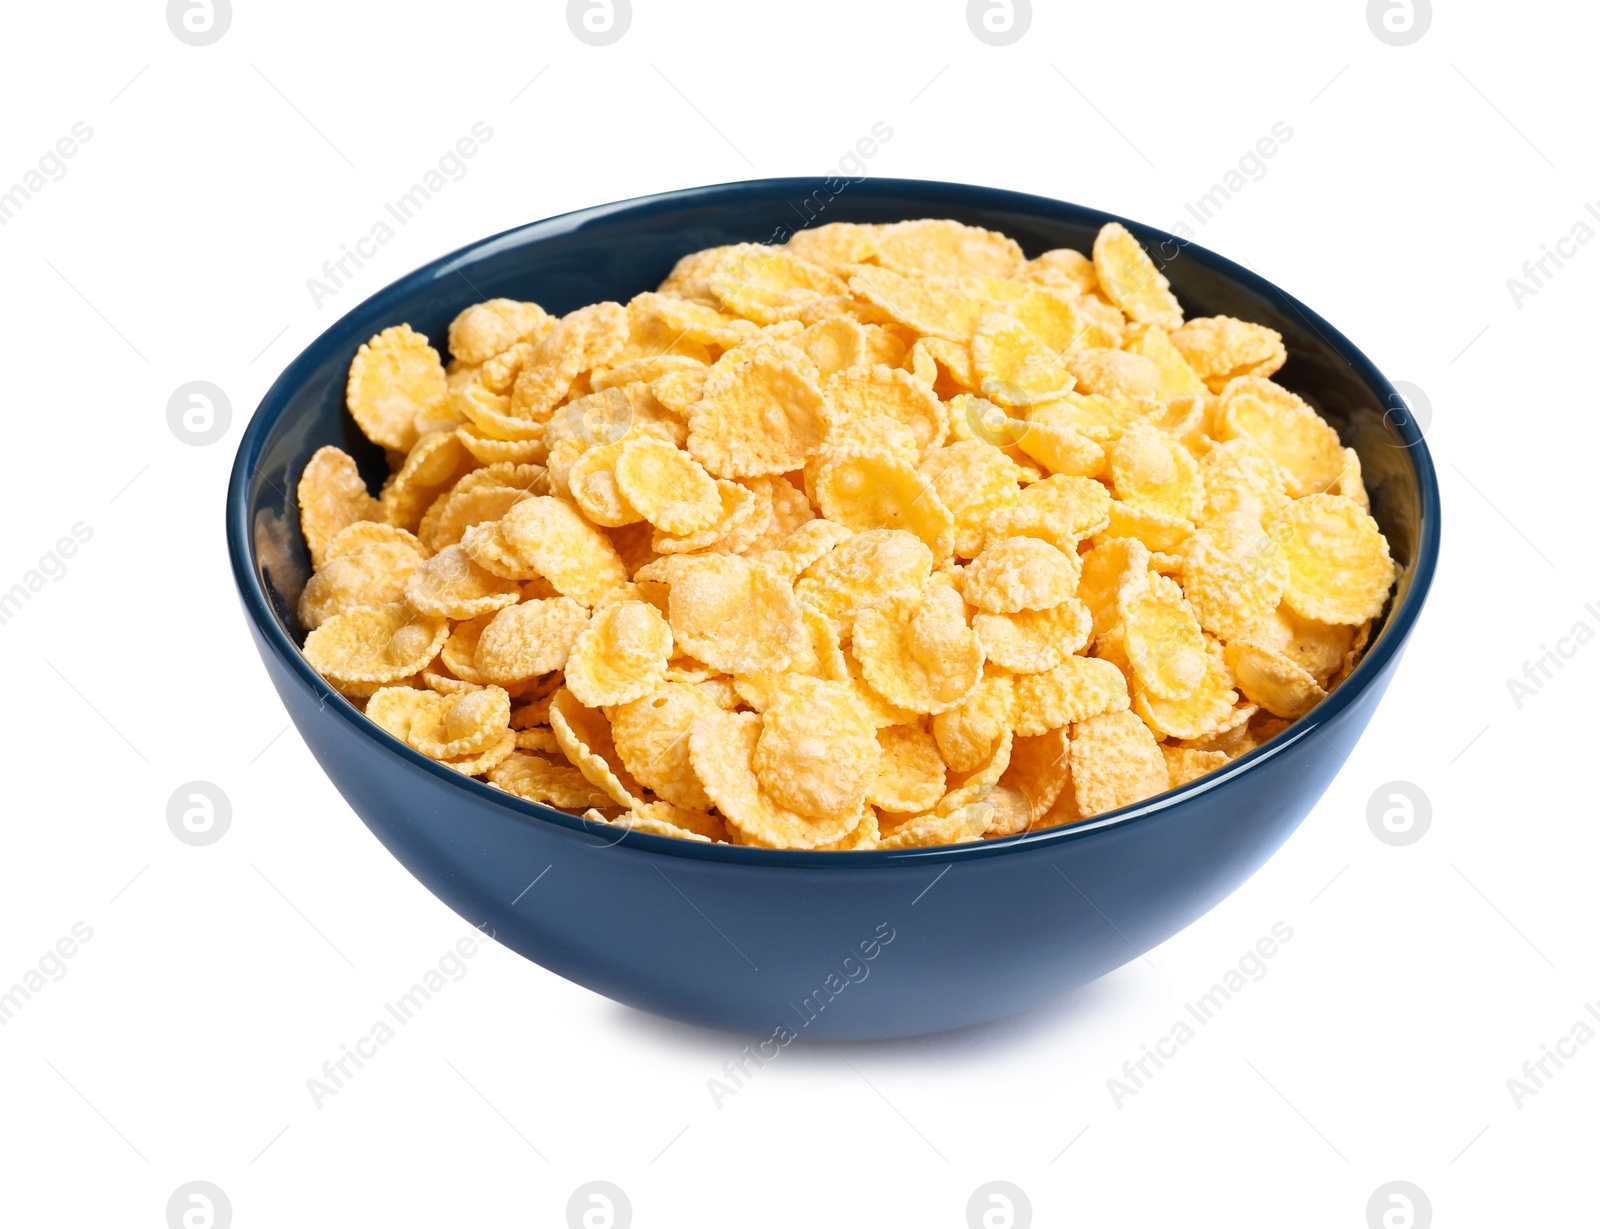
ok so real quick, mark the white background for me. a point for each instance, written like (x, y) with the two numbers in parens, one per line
(219, 979)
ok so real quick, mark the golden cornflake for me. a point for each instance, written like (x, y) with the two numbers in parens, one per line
(620, 655)
(1014, 574)
(918, 652)
(1131, 280)
(527, 639)
(1339, 565)
(1032, 641)
(395, 378)
(332, 497)
(375, 644)
(1218, 348)
(1115, 763)
(759, 415)
(1077, 689)
(452, 586)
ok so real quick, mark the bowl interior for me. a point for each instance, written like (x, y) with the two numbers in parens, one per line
(616, 251)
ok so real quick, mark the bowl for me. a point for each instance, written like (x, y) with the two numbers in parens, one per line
(783, 944)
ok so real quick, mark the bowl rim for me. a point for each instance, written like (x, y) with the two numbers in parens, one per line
(1377, 658)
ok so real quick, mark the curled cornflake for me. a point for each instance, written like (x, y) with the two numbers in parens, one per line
(1177, 378)
(483, 495)
(736, 615)
(1032, 641)
(1038, 773)
(480, 762)
(1242, 484)
(883, 391)
(975, 482)
(1339, 565)
(1013, 367)
(370, 533)
(804, 546)
(585, 738)
(667, 486)
(834, 345)
(967, 734)
(1154, 473)
(818, 751)
(1161, 637)
(540, 779)
(563, 547)
(740, 510)
(374, 574)
(1114, 373)
(620, 655)
(430, 469)
(580, 341)
(1076, 690)
(722, 748)
(592, 481)
(665, 819)
(332, 496)
(375, 644)
(1219, 348)
(966, 823)
(1234, 575)
(1285, 428)
(487, 329)
(652, 737)
(938, 306)
(862, 570)
(461, 725)
(1159, 531)
(835, 246)
(910, 776)
(917, 651)
(1067, 322)
(1197, 714)
(767, 284)
(452, 586)
(1015, 574)
(528, 639)
(1063, 268)
(942, 248)
(1273, 680)
(1101, 581)
(1131, 280)
(972, 787)
(395, 379)
(1184, 764)
(1115, 762)
(866, 489)
(760, 415)
(487, 547)
(538, 738)
(1062, 510)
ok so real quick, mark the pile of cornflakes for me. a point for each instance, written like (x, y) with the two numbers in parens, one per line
(887, 537)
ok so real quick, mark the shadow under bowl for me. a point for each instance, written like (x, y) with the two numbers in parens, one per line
(782, 943)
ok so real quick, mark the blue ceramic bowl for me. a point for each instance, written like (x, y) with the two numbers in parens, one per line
(790, 944)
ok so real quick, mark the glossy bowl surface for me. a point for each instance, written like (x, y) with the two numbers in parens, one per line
(793, 944)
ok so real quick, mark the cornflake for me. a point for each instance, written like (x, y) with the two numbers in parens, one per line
(885, 538)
